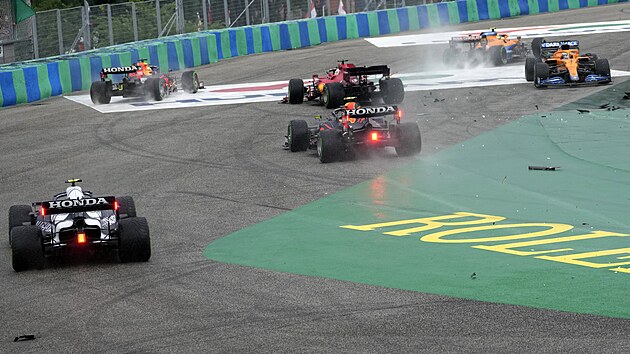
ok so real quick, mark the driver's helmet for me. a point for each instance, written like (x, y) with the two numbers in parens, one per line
(351, 105)
(565, 55)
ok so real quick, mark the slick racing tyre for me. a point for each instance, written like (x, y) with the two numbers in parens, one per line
(393, 90)
(329, 146)
(126, 206)
(333, 95)
(602, 67)
(541, 72)
(536, 47)
(409, 139)
(18, 216)
(134, 243)
(498, 55)
(529, 69)
(26, 248)
(296, 91)
(156, 88)
(101, 92)
(190, 81)
(297, 134)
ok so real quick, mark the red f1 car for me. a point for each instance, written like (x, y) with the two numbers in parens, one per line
(348, 80)
(141, 80)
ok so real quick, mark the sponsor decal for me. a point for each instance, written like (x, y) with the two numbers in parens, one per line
(540, 240)
(120, 69)
(558, 44)
(77, 202)
(370, 110)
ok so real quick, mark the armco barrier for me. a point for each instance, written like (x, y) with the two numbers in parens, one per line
(32, 81)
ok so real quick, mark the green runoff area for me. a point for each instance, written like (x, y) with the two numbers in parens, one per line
(474, 221)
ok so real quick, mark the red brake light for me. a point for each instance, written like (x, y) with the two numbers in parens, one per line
(116, 206)
(374, 136)
(399, 114)
(81, 237)
(42, 211)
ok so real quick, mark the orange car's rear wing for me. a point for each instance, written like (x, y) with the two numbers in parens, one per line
(555, 45)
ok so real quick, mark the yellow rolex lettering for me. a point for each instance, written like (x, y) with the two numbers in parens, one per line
(577, 259)
(508, 247)
(551, 229)
(429, 223)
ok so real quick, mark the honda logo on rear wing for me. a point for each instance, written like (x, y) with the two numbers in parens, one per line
(366, 112)
(120, 70)
(78, 205)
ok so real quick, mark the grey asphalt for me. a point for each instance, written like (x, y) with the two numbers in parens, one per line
(201, 173)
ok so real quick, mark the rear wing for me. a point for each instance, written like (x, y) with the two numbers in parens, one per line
(120, 70)
(370, 112)
(368, 70)
(77, 205)
(554, 46)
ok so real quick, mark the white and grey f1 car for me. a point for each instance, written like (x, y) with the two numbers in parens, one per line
(75, 221)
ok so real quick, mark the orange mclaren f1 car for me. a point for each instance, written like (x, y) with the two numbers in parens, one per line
(559, 63)
(487, 47)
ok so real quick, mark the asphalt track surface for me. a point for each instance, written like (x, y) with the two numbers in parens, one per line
(200, 174)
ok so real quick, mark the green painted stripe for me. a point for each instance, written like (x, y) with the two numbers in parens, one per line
(45, 90)
(179, 48)
(592, 3)
(574, 4)
(294, 34)
(143, 53)
(274, 33)
(241, 42)
(106, 61)
(414, 23)
(453, 12)
(473, 12)
(554, 6)
(515, 10)
(225, 44)
(162, 52)
(533, 7)
(434, 17)
(493, 9)
(257, 35)
(125, 58)
(196, 49)
(352, 28)
(373, 23)
(64, 76)
(213, 53)
(313, 32)
(331, 29)
(20, 86)
(392, 18)
(86, 73)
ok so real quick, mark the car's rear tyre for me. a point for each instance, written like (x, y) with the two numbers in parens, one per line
(393, 90)
(602, 67)
(329, 146)
(541, 72)
(101, 92)
(126, 206)
(190, 81)
(529, 69)
(18, 216)
(409, 139)
(536, 47)
(26, 248)
(134, 242)
(498, 55)
(156, 88)
(296, 91)
(333, 95)
(297, 134)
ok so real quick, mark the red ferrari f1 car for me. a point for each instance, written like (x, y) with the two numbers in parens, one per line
(141, 80)
(348, 80)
